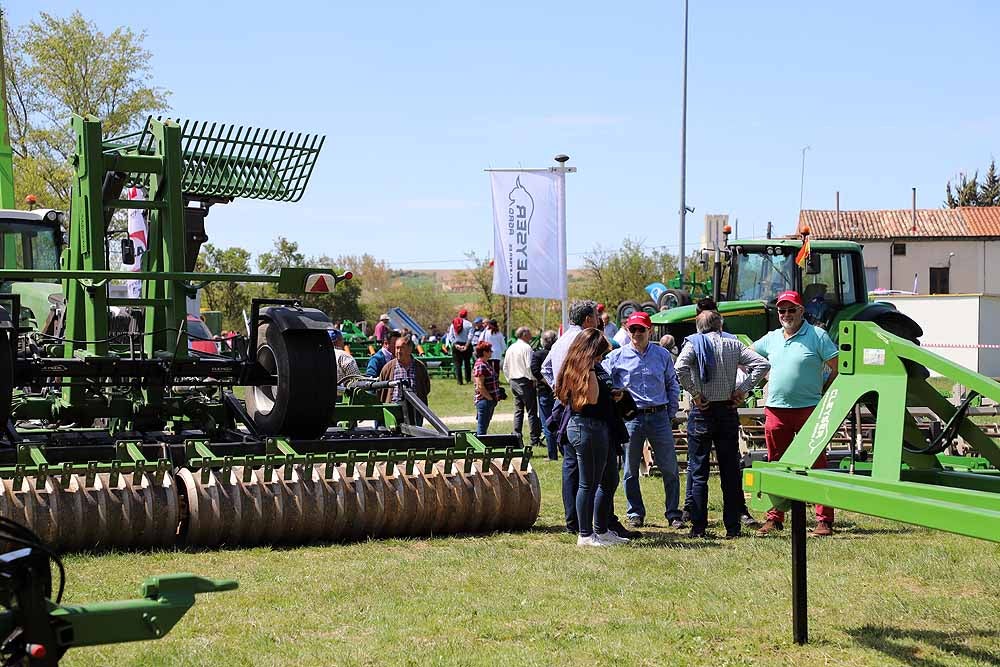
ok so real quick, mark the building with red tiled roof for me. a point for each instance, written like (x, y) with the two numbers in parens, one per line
(928, 251)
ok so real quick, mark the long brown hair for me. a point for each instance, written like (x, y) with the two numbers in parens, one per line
(571, 385)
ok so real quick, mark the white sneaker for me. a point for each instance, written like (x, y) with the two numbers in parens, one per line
(589, 541)
(609, 539)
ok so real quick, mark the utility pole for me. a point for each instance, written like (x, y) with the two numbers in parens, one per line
(684, 105)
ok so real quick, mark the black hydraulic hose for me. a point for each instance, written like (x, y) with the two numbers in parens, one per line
(950, 430)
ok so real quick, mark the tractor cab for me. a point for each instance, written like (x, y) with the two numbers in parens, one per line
(830, 279)
(31, 240)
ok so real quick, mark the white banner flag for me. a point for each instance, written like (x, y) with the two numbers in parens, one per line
(529, 240)
(137, 230)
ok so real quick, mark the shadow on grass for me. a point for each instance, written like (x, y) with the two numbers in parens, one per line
(909, 646)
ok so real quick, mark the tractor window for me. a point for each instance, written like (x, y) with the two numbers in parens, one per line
(28, 246)
(823, 284)
(764, 277)
(848, 286)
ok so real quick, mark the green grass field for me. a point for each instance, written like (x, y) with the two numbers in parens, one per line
(880, 593)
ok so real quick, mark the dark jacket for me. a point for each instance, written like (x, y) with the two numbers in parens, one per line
(559, 420)
(537, 359)
(421, 380)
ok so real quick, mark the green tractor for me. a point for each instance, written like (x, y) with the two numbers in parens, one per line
(753, 273)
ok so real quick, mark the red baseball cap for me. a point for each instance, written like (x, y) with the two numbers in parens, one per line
(641, 318)
(789, 295)
(600, 307)
(463, 313)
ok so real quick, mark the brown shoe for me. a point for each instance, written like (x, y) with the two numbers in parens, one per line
(769, 527)
(822, 529)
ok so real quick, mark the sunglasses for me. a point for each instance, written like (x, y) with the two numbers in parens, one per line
(637, 329)
(785, 311)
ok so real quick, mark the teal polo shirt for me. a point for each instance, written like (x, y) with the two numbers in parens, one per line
(796, 379)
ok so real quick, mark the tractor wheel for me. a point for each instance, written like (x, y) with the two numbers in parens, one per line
(626, 308)
(672, 298)
(650, 308)
(301, 404)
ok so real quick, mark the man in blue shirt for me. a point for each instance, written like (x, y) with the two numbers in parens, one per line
(799, 354)
(378, 360)
(647, 372)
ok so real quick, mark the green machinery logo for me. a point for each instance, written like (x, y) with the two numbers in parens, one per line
(820, 432)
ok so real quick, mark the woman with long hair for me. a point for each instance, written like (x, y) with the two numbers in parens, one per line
(585, 388)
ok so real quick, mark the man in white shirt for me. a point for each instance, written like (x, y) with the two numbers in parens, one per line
(517, 369)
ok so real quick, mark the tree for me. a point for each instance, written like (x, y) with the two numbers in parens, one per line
(228, 298)
(480, 274)
(611, 277)
(968, 192)
(57, 67)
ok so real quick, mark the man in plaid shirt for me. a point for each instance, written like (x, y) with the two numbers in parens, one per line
(706, 369)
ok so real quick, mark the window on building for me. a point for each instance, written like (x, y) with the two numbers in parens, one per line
(871, 277)
(898, 248)
(939, 280)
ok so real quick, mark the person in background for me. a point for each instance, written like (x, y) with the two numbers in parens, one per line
(457, 339)
(580, 388)
(381, 326)
(405, 366)
(544, 391)
(487, 393)
(609, 327)
(478, 333)
(667, 343)
(647, 372)
(378, 360)
(799, 354)
(517, 369)
(708, 369)
(347, 367)
(497, 340)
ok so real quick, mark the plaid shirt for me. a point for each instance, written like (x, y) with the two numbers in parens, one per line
(402, 372)
(730, 354)
(485, 370)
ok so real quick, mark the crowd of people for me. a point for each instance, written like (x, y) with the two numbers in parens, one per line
(599, 392)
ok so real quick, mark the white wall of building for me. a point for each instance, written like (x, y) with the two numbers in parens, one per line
(969, 267)
(958, 322)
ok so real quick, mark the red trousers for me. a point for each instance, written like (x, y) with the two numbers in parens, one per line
(780, 427)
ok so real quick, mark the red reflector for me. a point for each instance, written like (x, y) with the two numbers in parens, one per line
(37, 651)
(319, 283)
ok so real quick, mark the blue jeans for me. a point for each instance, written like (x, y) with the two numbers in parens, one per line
(598, 473)
(658, 428)
(484, 413)
(717, 424)
(545, 402)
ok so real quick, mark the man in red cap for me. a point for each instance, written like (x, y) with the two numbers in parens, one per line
(647, 372)
(799, 354)
(457, 339)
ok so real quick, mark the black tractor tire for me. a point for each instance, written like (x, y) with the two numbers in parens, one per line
(626, 308)
(301, 404)
(650, 308)
(672, 298)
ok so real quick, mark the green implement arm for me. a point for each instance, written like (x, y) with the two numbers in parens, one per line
(907, 481)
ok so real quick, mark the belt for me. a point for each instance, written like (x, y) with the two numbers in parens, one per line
(649, 411)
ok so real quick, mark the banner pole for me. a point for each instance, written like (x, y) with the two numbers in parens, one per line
(562, 160)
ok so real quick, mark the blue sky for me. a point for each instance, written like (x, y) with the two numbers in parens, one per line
(416, 99)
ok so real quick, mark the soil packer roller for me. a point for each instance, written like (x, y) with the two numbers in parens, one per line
(117, 434)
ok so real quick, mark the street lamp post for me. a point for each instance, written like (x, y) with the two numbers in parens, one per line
(684, 97)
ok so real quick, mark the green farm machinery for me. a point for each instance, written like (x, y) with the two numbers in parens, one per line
(37, 629)
(909, 478)
(116, 433)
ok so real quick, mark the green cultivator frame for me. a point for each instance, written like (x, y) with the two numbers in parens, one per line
(908, 479)
(118, 434)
